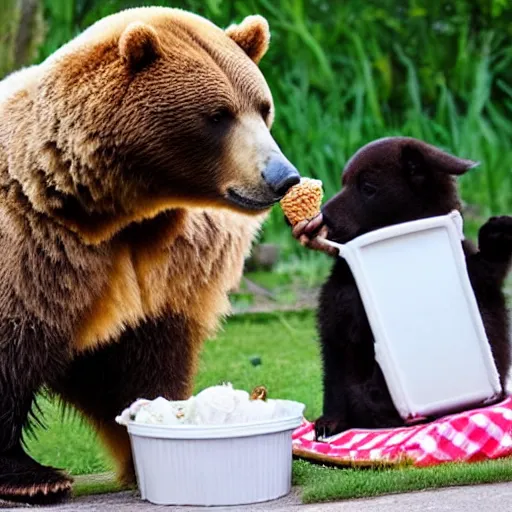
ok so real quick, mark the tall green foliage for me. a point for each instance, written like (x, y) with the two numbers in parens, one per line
(344, 73)
(20, 33)
(8, 25)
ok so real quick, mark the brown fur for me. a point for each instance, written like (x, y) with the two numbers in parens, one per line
(118, 444)
(252, 36)
(132, 182)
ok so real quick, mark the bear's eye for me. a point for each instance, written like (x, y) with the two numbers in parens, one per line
(223, 114)
(265, 109)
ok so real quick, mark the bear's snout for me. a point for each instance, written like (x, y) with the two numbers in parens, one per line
(280, 175)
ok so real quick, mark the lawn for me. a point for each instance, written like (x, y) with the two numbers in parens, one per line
(287, 348)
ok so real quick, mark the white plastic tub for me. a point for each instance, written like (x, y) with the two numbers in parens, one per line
(430, 341)
(215, 465)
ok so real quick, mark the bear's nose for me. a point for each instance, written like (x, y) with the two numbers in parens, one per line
(280, 175)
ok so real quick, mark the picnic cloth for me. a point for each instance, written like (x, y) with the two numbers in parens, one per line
(470, 436)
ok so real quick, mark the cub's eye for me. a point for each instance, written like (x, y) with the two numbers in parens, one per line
(223, 114)
(367, 189)
(265, 109)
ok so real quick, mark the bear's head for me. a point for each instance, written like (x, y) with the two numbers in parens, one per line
(390, 181)
(153, 109)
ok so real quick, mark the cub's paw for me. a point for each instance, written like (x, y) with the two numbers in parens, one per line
(24, 480)
(495, 238)
(327, 426)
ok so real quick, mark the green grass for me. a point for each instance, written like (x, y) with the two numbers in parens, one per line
(290, 368)
(102, 483)
(327, 484)
(68, 442)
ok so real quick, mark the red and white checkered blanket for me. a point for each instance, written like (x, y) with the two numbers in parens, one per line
(469, 436)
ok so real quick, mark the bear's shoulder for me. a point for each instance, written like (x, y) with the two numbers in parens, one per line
(18, 81)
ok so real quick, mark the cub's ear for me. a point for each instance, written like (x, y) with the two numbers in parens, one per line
(419, 158)
(139, 45)
(252, 35)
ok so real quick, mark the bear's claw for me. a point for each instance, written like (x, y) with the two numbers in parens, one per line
(24, 480)
(326, 426)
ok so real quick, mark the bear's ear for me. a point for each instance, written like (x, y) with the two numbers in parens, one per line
(139, 45)
(252, 35)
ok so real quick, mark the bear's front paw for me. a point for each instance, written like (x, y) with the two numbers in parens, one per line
(495, 238)
(327, 426)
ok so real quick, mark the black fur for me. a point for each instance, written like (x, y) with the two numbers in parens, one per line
(388, 182)
(24, 480)
(29, 352)
(146, 362)
(141, 364)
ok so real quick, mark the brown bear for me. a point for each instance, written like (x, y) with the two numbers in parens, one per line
(136, 166)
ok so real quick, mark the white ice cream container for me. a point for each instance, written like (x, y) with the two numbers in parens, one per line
(210, 465)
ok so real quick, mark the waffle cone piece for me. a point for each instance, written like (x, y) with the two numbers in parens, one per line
(303, 200)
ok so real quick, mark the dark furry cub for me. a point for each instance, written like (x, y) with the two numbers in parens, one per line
(387, 182)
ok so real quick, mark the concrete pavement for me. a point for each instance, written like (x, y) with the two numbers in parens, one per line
(479, 498)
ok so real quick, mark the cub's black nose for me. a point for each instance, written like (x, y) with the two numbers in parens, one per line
(280, 175)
